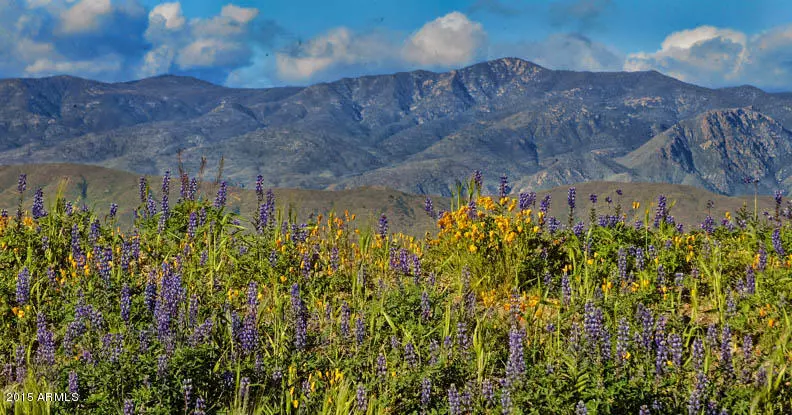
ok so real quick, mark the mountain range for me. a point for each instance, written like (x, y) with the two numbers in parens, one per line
(417, 132)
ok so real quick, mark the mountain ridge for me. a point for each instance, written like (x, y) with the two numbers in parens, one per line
(415, 131)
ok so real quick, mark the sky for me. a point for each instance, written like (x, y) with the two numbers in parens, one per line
(257, 44)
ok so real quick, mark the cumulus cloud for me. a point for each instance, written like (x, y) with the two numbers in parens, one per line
(717, 57)
(569, 51)
(338, 48)
(167, 14)
(448, 41)
(452, 39)
(221, 42)
(84, 16)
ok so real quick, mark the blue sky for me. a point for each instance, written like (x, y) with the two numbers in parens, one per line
(250, 43)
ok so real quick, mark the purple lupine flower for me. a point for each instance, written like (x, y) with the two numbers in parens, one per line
(712, 336)
(526, 200)
(74, 385)
(260, 188)
(38, 210)
(382, 226)
(248, 334)
(382, 366)
(126, 303)
(477, 179)
(46, 344)
(747, 350)
(426, 308)
(192, 224)
(504, 188)
(622, 264)
(193, 189)
(726, 345)
(129, 407)
(104, 264)
(544, 205)
(506, 402)
(434, 347)
(777, 244)
(579, 228)
(202, 332)
(360, 329)
(409, 355)
(622, 340)
(220, 200)
(694, 402)
(661, 212)
(22, 183)
(580, 408)
(143, 189)
(553, 224)
(21, 367)
(360, 399)
(566, 289)
(639, 258)
(675, 343)
(762, 259)
(23, 286)
(345, 315)
(453, 401)
(428, 207)
(472, 209)
(644, 316)
(571, 198)
(643, 410)
(515, 367)
(593, 198)
(187, 391)
(162, 366)
(463, 340)
(426, 392)
(708, 225)
(661, 345)
(300, 324)
(151, 206)
(698, 354)
(487, 392)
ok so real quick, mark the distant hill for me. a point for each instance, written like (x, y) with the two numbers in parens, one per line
(404, 211)
(413, 131)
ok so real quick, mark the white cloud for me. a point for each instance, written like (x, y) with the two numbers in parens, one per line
(84, 16)
(339, 46)
(448, 41)
(219, 41)
(157, 61)
(452, 39)
(169, 13)
(242, 15)
(714, 56)
(210, 52)
(47, 66)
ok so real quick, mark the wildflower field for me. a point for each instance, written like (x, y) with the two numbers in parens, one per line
(503, 309)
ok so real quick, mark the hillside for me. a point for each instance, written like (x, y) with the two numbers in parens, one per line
(413, 131)
(405, 212)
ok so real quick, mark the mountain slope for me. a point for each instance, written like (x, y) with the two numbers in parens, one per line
(416, 131)
(716, 150)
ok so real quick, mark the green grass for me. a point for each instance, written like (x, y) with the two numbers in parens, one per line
(498, 296)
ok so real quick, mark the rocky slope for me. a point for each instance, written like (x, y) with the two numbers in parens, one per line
(417, 132)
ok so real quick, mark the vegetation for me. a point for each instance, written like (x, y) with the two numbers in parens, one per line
(504, 309)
